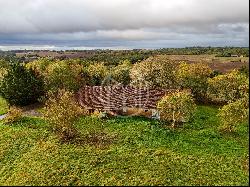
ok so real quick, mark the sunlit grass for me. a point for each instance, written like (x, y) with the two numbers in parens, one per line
(142, 152)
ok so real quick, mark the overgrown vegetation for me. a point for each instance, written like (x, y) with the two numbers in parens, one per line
(177, 107)
(61, 111)
(21, 86)
(229, 87)
(3, 106)
(71, 148)
(14, 115)
(232, 114)
(143, 154)
(194, 76)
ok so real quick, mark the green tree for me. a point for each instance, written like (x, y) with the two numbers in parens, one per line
(61, 75)
(232, 114)
(177, 107)
(21, 86)
(120, 73)
(97, 73)
(194, 76)
(154, 72)
(228, 87)
(61, 111)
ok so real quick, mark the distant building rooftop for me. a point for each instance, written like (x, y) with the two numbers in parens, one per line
(118, 97)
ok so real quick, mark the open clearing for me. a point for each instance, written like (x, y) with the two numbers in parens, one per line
(125, 151)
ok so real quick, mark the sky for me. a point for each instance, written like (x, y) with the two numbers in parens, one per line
(122, 24)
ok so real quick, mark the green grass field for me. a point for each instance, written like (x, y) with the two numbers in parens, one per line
(3, 106)
(125, 151)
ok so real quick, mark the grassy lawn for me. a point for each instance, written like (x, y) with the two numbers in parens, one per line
(3, 106)
(132, 151)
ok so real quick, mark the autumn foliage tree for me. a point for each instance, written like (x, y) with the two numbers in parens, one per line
(120, 73)
(233, 89)
(232, 114)
(97, 73)
(154, 72)
(228, 87)
(194, 76)
(61, 111)
(177, 107)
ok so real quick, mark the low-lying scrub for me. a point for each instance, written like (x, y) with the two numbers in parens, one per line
(14, 115)
(61, 111)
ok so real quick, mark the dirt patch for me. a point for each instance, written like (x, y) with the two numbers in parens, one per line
(32, 110)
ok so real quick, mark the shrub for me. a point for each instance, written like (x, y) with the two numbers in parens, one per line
(59, 74)
(14, 115)
(194, 76)
(154, 72)
(21, 86)
(177, 107)
(244, 70)
(61, 111)
(97, 73)
(39, 65)
(215, 73)
(233, 114)
(120, 73)
(3, 72)
(62, 75)
(229, 87)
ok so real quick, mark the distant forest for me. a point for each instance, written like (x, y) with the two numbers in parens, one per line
(137, 55)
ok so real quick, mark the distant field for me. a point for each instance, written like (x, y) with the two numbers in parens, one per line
(125, 151)
(222, 64)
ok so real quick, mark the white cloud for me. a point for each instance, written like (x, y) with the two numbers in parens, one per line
(132, 20)
(90, 15)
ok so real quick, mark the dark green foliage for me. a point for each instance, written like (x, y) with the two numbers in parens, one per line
(215, 73)
(21, 86)
(244, 70)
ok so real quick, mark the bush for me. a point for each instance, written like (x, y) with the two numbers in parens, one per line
(154, 72)
(61, 111)
(120, 73)
(40, 65)
(59, 74)
(21, 86)
(3, 72)
(233, 114)
(97, 73)
(14, 115)
(177, 107)
(229, 87)
(244, 70)
(194, 76)
(62, 75)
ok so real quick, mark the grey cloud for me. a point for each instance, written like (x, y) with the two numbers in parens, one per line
(18, 16)
(117, 22)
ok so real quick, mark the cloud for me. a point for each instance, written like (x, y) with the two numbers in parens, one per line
(123, 20)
